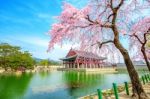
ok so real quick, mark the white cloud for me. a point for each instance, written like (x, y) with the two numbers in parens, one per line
(67, 46)
(44, 15)
(77, 3)
(38, 47)
(43, 42)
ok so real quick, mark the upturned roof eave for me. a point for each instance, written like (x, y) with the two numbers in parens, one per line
(67, 58)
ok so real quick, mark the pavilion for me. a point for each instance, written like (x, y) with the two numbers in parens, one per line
(81, 59)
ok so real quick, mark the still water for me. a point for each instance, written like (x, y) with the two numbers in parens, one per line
(56, 84)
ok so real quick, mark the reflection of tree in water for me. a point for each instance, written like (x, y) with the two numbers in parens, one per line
(13, 87)
(44, 74)
(82, 81)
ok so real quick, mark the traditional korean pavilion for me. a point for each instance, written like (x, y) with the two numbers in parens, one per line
(81, 59)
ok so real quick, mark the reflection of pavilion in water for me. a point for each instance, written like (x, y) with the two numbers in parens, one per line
(83, 60)
(81, 79)
(81, 83)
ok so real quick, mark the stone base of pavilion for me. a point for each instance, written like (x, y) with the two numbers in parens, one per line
(102, 70)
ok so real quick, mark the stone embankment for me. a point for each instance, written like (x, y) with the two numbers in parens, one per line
(35, 69)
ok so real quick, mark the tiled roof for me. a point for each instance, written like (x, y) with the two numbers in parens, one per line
(87, 54)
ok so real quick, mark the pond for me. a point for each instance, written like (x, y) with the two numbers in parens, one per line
(56, 84)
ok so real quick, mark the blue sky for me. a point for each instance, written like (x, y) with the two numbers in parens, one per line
(25, 23)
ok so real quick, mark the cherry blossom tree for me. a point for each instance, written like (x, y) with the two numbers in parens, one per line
(139, 38)
(100, 23)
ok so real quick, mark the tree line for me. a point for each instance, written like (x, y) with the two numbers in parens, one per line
(13, 57)
(47, 62)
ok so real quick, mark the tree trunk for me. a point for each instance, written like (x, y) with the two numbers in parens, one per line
(145, 57)
(136, 84)
(137, 88)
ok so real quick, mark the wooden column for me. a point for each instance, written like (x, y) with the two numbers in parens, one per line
(73, 65)
(90, 63)
(63, 65)
(77, 65)
(85, 63)
(102, 64)
(99, 66)
(70, 65)
(95, 63)
(66, 65)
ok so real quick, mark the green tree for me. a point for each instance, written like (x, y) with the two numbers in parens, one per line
(12, 56)
(44, 62)
(54, 62)
(47, 62)
(6, 51)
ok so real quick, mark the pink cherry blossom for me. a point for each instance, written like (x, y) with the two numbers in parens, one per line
(89, 24)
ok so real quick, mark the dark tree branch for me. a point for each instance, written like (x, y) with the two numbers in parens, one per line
(134, 35)
(137, 38)
(109, 17)
(145, 37)
(100, 44)
(115, 9)
(106, 7)
(106, 26)
(96, 23)
(114, 14)
(111, 4)
(88, 18)
(120, 4)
